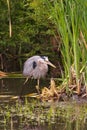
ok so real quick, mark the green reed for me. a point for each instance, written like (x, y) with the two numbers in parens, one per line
(69, 18)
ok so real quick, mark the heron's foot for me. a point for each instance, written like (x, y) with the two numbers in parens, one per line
(38, 89)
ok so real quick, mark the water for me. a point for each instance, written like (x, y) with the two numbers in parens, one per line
(55, 116)
(14, 85)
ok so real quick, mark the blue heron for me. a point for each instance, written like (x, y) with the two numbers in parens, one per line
(36, 67)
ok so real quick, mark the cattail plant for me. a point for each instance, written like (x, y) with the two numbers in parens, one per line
(69, 18)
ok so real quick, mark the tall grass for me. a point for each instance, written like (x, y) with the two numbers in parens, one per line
(69, 18)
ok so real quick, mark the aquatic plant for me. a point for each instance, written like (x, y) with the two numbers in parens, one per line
(69, 18)
(32, 112)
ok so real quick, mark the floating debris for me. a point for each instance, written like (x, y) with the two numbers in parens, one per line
(5, 96)
(3, 74)
(32, 95)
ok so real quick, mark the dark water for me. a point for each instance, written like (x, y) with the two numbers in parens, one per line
(13, 87)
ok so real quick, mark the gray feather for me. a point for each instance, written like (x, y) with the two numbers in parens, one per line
(32, 68)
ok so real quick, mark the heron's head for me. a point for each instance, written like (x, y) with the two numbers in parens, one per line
(46, 61)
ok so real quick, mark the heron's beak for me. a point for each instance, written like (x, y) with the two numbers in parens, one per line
(49, 63)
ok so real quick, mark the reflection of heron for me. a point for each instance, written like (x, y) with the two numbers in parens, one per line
(36, 67)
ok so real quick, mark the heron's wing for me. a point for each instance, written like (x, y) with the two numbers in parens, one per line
(27, 70)
(29, 67)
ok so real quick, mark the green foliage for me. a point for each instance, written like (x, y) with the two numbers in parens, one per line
(69, 17)
(31, 29)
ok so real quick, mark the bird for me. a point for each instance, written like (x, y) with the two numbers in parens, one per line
(36, 67)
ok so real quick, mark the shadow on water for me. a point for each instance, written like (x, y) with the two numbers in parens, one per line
(56, 116)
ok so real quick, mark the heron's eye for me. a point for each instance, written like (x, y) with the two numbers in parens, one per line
(34, 64)
(44, 58)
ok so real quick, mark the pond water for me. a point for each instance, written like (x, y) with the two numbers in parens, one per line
(13, 86)
(35, 115)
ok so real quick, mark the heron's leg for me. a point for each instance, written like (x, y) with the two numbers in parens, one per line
(38, 82)
(23, 86)
(26, 80)
(37, 87)
(21, 91)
